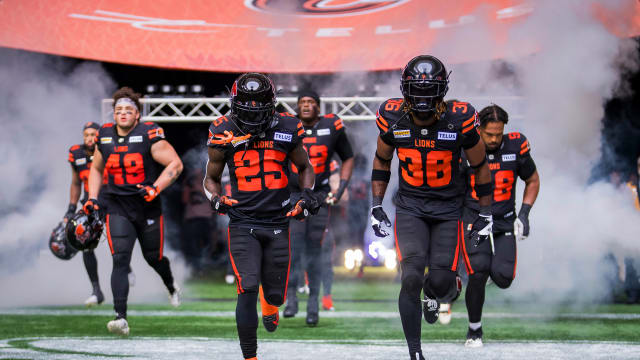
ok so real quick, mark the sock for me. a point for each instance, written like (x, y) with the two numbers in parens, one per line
(475, 326)
(267, 309)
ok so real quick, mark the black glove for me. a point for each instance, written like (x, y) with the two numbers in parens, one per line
(90, 206)
(221, 204)
(522, 222)
(70, 211)
(378, 216)
(482, 227)
(306, 206)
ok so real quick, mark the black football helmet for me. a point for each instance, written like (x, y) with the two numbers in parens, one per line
(253, 103)
(84, 231)
(59, 245)
(424, 83)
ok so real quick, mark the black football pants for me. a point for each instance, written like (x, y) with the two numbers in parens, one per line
(421, 243)
(258, 256)
(310, 234)
(122, 234)
(482, 264)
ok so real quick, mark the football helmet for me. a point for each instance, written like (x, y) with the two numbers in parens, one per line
(253, 103)
(59, 245)
(84, 231)
(424, 83)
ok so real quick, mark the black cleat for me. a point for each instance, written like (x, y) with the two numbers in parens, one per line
(291, 309)
(430, 309)
(312, 318)
(474, 338)
(270, 322)
(416, 355)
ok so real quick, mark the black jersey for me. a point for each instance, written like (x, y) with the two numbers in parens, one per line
(512, 159)
(81, 161)
(321, 141)
(429, 157)
(128, 161)
(259, 171)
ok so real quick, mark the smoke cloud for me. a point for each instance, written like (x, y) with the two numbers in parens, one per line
(45, 102)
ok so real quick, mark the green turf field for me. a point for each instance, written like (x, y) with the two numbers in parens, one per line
(366, 310)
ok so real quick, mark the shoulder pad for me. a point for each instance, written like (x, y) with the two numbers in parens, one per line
(107, 125)
(154, 131)
(74, 147)
(337, 122)
(519, 143)
(389, 112)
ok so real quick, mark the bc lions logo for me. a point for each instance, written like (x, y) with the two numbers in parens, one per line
(322, 8)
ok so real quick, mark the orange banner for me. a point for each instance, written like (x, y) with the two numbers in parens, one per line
(307, 36)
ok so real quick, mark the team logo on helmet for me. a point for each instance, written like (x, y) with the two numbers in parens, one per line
(322, 8)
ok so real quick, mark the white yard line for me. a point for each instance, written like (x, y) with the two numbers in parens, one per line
(327, 314)
(199, 348)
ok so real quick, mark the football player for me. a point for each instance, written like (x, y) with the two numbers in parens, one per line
(256, 144)
(80, 158)
(139, 165)
(428, 136)
(325, 135)
(509, 157)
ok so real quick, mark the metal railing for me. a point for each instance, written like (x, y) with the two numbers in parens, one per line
(209, 109)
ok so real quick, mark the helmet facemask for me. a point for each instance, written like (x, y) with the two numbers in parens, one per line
(253, 103)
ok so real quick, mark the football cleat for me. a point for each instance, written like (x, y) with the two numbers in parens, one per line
(430, 309)
(312, 318)
(270, 322)
(118, 326)
(327, 303)
(291, 309)
(174, 299)
(229, 279)
(95, 299)
(132, 278)
(416, 356)
(445, 314)
(312, 311)
(474, 338)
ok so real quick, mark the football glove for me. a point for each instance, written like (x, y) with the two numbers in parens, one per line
(307, 205)
(482, 227)
(90, 206)
(521, 225)
(378, 217)
(149, 192)
(222, 204)
(70, 211)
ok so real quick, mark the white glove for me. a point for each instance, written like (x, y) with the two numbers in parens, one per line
(518, 229)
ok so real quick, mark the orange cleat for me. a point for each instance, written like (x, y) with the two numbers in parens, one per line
(327, 303)
(270, 316)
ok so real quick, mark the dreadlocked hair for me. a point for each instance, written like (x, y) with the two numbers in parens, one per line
(441, 107)
(127, 92)
(492, 113)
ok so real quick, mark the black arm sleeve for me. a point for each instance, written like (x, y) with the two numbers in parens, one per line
(343, 147)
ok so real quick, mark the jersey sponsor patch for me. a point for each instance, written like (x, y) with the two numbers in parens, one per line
(442, 135)
(286, 202)
(135, 139)
(324, 132)
(401, 133)
(282, 137)
(236, 142)
(508, 157)
(106, 140)
(81, 161)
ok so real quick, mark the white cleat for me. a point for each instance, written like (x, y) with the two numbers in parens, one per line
(118, 326)
(91, 301)
(445, 314)
(473, 343)
(174, 299)
(229, 279)
(132, 279)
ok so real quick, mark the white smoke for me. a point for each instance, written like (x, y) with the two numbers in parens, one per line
(45, 101)
(563, 87)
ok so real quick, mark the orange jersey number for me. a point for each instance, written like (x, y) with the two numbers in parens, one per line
(133, 168)
(248, 170)
(438, 167)
(318, 157)
(504, 180)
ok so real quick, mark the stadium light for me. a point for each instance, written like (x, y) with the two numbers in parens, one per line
(197, 89)
(182, 89)
(166, 89)
(151, 89)
(390, 260)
